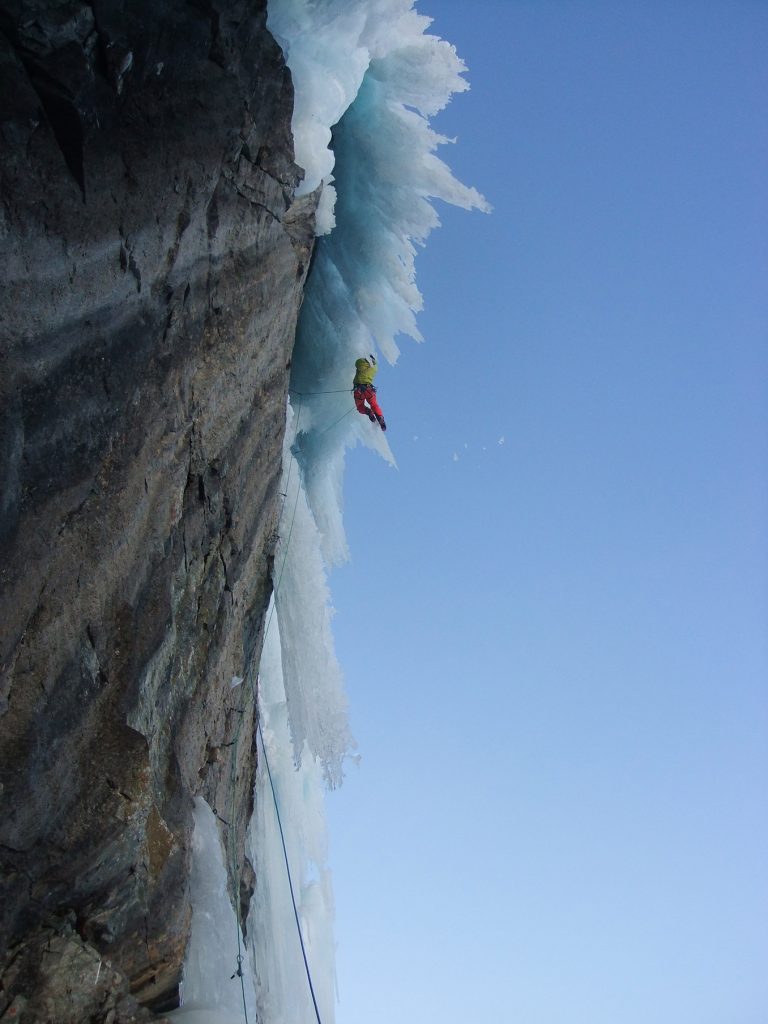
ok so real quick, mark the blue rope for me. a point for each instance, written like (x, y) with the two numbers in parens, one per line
(288, 872)
(236, 744)
(236, 741)
(233, 843)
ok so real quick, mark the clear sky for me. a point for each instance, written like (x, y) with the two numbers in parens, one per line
(553, 627)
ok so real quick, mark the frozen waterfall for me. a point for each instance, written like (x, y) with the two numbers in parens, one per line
(367, 77)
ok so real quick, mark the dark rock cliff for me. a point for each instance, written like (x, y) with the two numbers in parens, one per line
(153, 261)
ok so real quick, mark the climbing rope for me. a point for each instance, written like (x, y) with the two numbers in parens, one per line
(306, 394)
(343, 416)
(235, 745)
(288, 872)
(236, 741)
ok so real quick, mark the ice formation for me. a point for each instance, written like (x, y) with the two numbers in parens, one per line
(367, 77)
(282, 987)
(210, 994)
(330, 46)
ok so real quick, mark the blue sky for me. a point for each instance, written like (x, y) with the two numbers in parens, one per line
(553, 627)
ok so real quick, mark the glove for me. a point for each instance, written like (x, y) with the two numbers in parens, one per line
(372, 357)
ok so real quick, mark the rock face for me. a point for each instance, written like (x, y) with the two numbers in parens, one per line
(153, 261)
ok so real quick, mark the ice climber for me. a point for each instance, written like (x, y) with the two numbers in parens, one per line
(365, 371)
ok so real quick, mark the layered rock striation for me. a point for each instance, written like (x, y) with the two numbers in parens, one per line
(153, 260)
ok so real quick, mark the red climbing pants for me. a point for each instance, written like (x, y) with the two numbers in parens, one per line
(367, 394)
